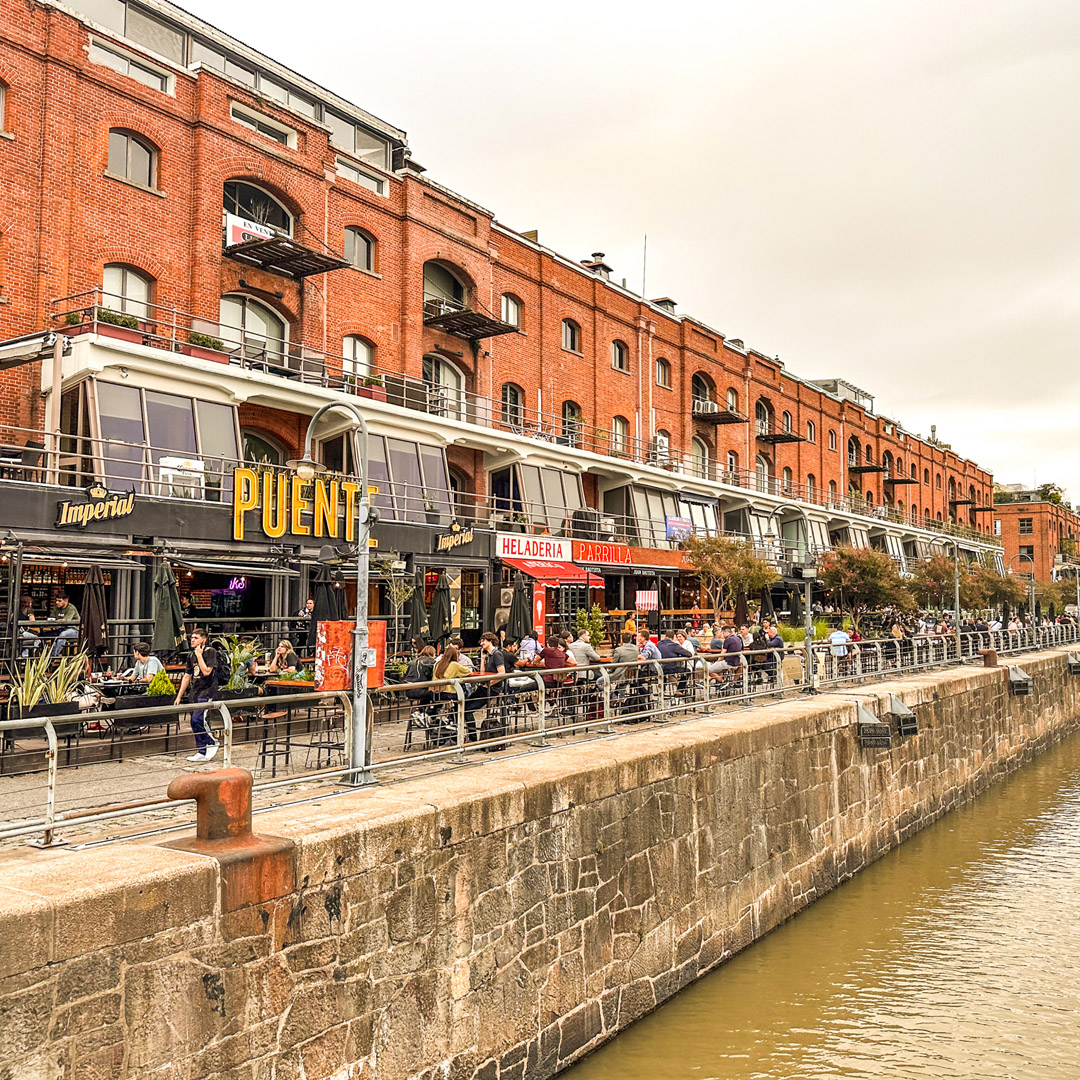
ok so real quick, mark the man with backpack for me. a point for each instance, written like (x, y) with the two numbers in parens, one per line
(203, 677)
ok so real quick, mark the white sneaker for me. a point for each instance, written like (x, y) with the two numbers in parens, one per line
(197, 756)
(210, 751)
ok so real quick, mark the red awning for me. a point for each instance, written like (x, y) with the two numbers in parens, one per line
(556, 573)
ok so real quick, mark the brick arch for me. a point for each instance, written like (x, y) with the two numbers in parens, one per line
(270, 175)
(7, 75)
(290, 314)
(148, 126)
(131, 256)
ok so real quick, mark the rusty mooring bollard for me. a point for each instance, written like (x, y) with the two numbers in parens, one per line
(989, 657)
(254, 869)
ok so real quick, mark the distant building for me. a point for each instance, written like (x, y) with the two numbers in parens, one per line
(1032, 526)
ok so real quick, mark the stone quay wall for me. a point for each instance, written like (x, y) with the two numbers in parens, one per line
(495, 922)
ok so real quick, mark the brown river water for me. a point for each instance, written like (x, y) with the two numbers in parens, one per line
(955, 956)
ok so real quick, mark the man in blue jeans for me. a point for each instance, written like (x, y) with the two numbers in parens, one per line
(200, 684)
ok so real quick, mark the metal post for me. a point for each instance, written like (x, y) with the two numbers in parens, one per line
(459, 692)
(541, 711)
(52, 412)
(811, 674)
(956, 594)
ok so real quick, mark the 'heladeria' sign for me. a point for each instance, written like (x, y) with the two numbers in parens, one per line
(324, 506)
(100, 505)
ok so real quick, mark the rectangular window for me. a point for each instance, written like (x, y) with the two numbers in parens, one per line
(128, 65)
(1029, 551)
(997, 527)
(405, 473)
(156, 35)
(342, 131)
(109, 13)
(358, 176)
(239, 73)
(1026, 526)
(372, 150)
(120, 420)
(202, 53)
(264, 125)
(436, 485)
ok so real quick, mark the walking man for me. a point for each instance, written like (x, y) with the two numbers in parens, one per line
(200, 683)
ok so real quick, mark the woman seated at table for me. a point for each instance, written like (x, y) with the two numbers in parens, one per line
(284, 658)
(146, 665)
(449, 666)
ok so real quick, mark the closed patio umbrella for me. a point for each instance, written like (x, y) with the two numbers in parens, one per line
(797, 613)
(1052, 613)
(519, 620)
(417, 611)
(767, 609)
(326, 607)
(439, 616)
(1004, 615)
(168, 616)
(741, 612)
(93, 629)
(1038, 611)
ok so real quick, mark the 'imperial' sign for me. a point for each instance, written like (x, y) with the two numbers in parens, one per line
(100, 505)
(544, 548)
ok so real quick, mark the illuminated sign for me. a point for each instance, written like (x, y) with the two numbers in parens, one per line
(237, 584)
(100, 505)
(457, 537)
(593, 551)
(301, 507)
(544, 548)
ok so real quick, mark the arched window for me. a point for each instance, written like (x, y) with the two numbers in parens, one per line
(253, 204)
(262, 449)
(926, 514)
(733, 399)
(972, 495)
(914, 471)
(130, 156)
(446, 386)
(762, 472)
(699, 457)
(620, 431)
(887, 465)
(939, 515)
(571, 423)
(761, 418)
(661, 454)
(511, 310)
(360, 248)
(926, 477)
(663, 373)
(785, 421)
(811, 431)
(357, 358)
(937, 481)
(512, 402)
(3, 105)
(899, 466)
(260, 331)
(832, 439)
(732, 461)
(869, 454)
(832, 491)
(444, 291)
(571, 336)
(620, 356)
(869, 496)
(853, 451)
(786, 480)
(811, 487)
(900, 507)
(952, 488)
(126, 290)
(701, 387)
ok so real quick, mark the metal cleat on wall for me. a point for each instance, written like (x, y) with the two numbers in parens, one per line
(254, 869)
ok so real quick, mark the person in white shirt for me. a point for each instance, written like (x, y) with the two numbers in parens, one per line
(146, 665)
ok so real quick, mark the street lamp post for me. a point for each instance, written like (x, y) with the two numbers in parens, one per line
(1021, 555)
(956, 591)
(808, 585)
(306, 467)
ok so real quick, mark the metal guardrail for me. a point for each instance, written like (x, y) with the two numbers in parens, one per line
(440, 720)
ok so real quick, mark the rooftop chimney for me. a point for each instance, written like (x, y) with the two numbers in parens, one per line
(666, 303)
(533, 235)
(597, 265)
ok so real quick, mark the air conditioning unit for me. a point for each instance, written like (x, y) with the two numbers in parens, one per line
(661, 450)
(704, 405)
(506, 597)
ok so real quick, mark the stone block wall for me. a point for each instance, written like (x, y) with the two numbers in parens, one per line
(496, 922)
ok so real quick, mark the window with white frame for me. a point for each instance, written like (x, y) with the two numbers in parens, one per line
(264, 125)
(832, 439)
(125, 290)
(132, 66)
(620, 431)
(811, 431)
(253, 204)
(663, 373)
(620, 356)
(357, 140)
(732, 462)
(358, 176)
(785, 421)
(131, 157)
(511, 310)
(360, 249)
(259, 330)
(571, 336)
(787, 479)
(3, 105)
(358, 358)
(699, 457)
(733, 399)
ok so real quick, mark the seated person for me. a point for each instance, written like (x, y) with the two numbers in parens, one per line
(64, 611)
(28, 637)
(146, 665)
(284, 658)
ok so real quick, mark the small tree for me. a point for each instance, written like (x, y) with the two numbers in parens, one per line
(984, 587)
(862, 580)
(399, 586)
(591, 619)
(933, 581)
(726, 564)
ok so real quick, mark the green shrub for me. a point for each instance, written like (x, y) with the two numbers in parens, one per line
(205, 341)
(160, 685)
(114, 318)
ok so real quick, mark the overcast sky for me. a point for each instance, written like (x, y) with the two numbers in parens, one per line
(887, 192)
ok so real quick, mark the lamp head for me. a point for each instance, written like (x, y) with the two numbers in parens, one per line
(305, 468)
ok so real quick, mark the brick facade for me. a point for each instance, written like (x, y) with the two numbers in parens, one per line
(1043, 530)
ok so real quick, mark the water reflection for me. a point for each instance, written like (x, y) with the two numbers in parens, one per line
(953, 957)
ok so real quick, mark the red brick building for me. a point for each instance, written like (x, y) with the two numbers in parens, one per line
(1037, 534)
(134, 133)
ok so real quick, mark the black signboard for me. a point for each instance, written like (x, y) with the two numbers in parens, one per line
(875, 735)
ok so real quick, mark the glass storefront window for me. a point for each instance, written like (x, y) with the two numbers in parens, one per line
(405, 470)
(123, 434)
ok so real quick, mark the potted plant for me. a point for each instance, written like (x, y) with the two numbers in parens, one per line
(124, 327)
(205, 347)
(37, 692)
(79, 322)
(372, 386)
(431, 511)
(241, 653)
(160, 693)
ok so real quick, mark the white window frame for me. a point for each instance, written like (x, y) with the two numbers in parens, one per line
(511, 310)
(257, 121)
(369, 242)
(130, 59)
(811, 431)
(350, 170)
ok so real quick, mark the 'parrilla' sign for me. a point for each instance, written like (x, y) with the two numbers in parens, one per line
(100, 505)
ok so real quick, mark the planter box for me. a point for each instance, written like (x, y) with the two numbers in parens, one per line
(376, 393)
(53, 711)
(201, 352)
(123, 333)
